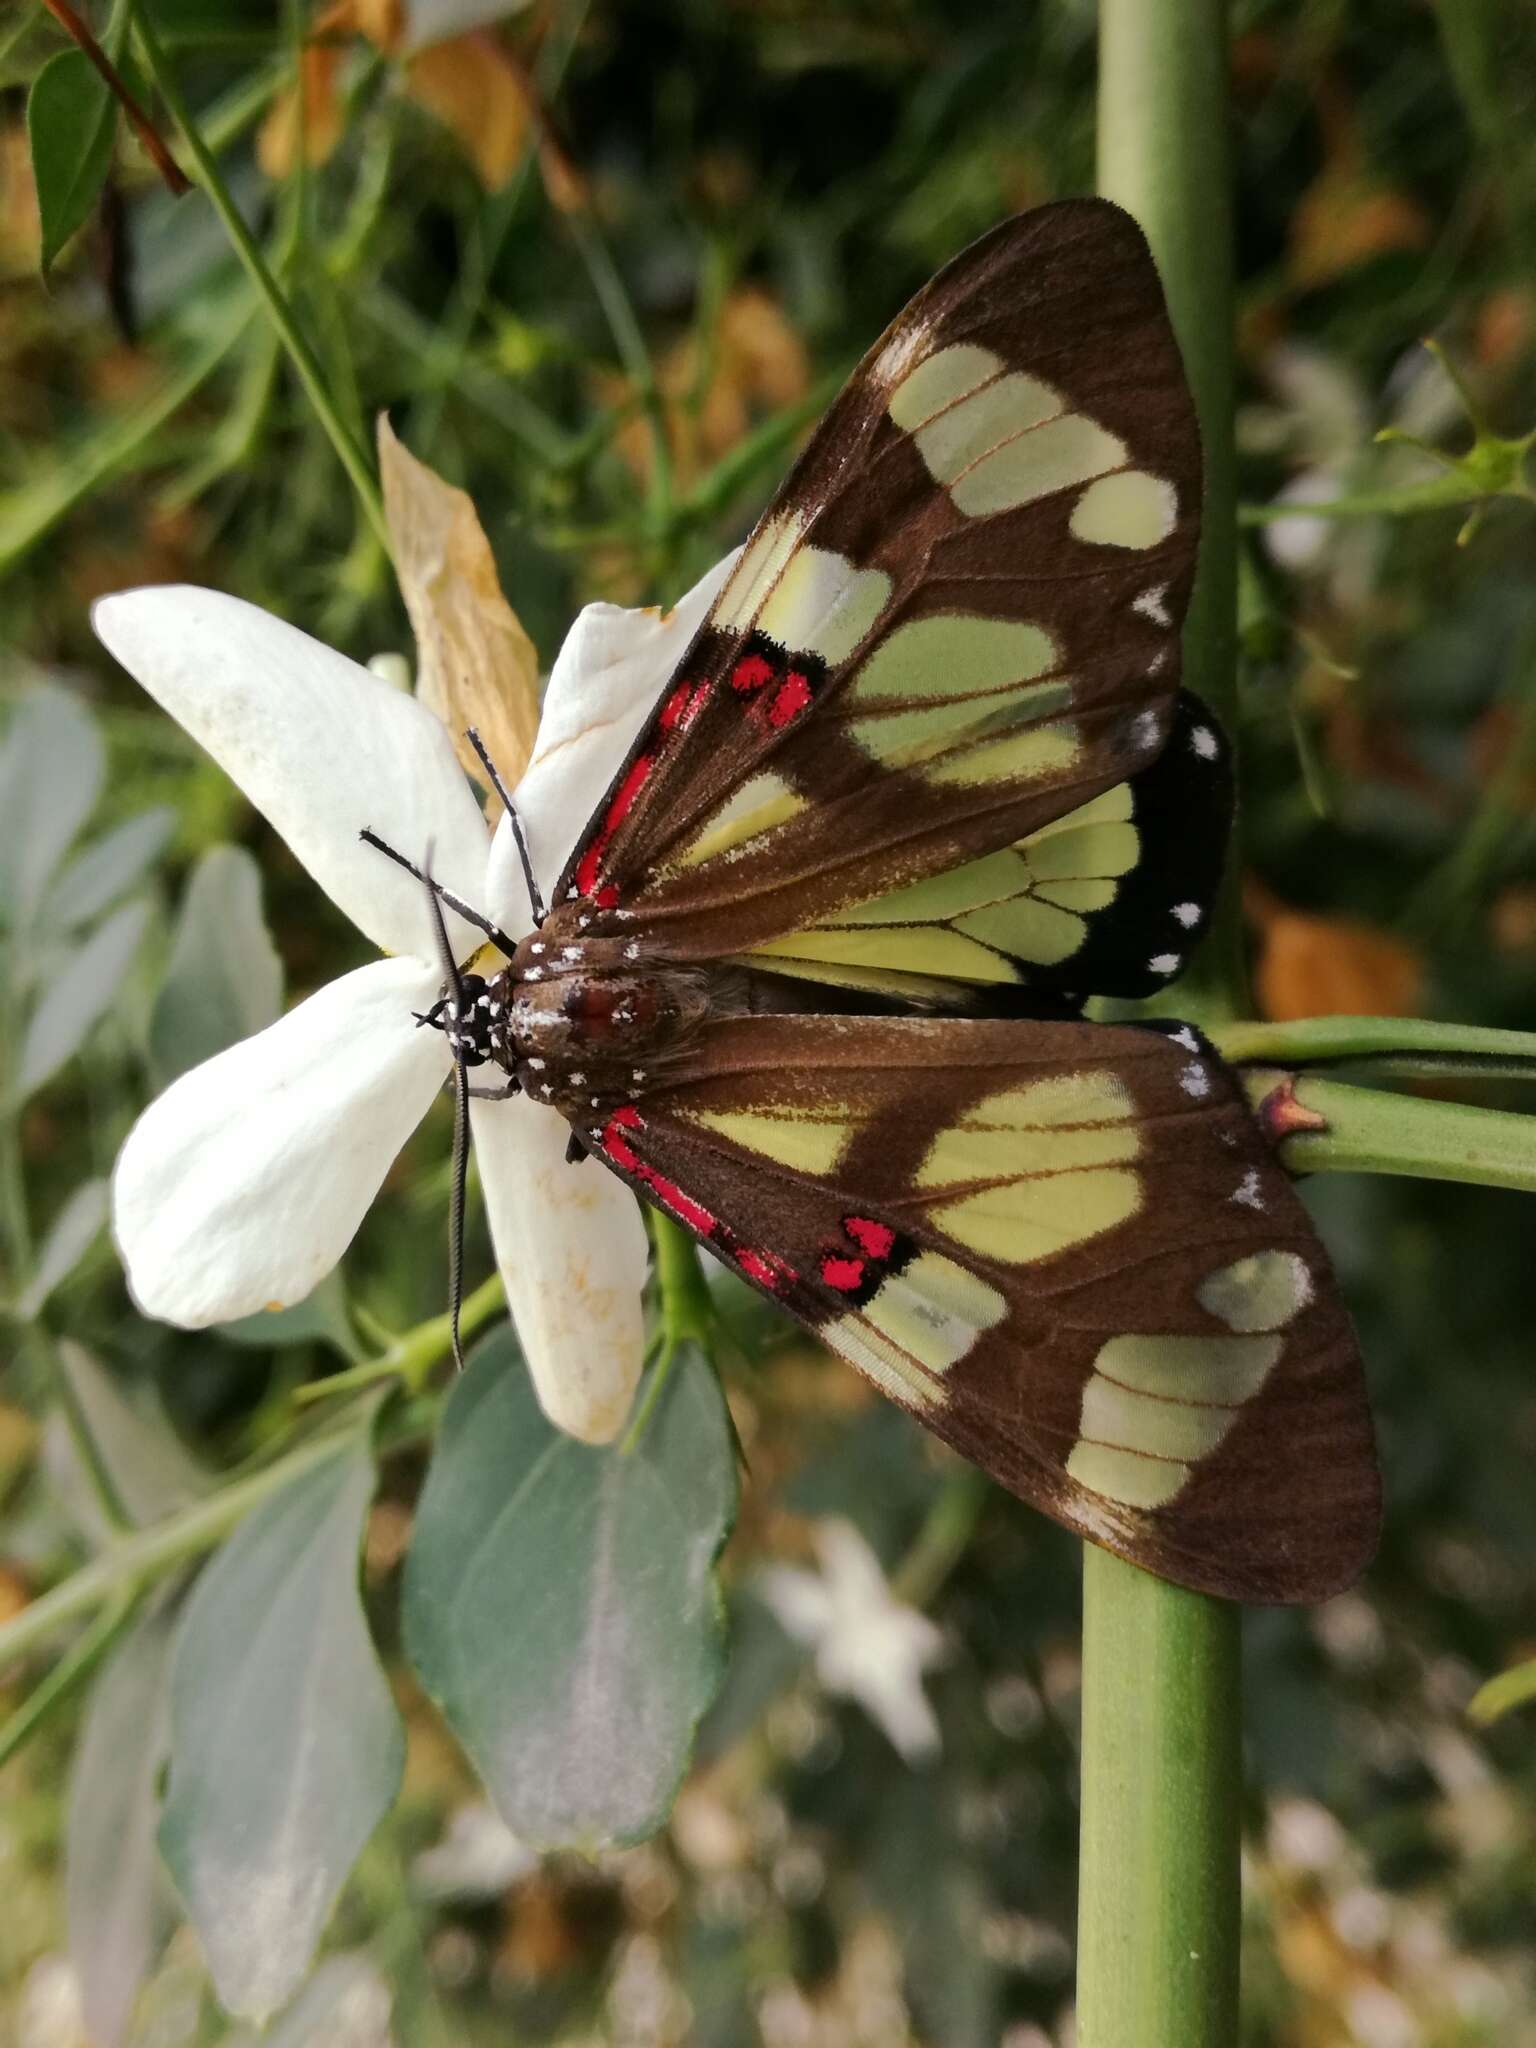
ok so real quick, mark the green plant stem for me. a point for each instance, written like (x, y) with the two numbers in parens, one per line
(1435, 494)
(348, 449)
(1370, 1130)
(71, 1670)
(1401, 1045)
(1499, 1695)
(151, 1552)
(1158, 1963)
(411, 1357)
(1162, 1776)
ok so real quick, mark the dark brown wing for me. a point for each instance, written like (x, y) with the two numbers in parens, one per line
(1065, 1248)
(958, 620)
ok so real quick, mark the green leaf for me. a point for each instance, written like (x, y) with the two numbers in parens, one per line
(107, 870)
(51, 770)
(73, 1231)
(560, 1601)
(152, 1471)
(116, 1898)
(224, 981)
(286, 1748)
(72, 127)
(78, 998)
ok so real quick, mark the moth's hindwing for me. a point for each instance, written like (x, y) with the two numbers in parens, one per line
(1065, 1248)
(956, 625)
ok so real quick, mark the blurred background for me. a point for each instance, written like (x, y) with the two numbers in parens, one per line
(490, 226)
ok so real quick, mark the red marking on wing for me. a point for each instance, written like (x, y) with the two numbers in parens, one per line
(667, 1192)
(874, 1238)
(750, 673)
(790, 698)
(845, 1274)
(590, 864)
(766, 1267)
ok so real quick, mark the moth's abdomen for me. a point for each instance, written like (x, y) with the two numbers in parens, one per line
(587, 1028)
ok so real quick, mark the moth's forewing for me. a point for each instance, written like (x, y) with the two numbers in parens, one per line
(957, 621)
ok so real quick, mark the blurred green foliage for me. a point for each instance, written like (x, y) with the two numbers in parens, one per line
(727, 205)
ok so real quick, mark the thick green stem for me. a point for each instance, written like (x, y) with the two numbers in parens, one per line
(1369, 1130)
(1162, 1778)
(1161, 1764)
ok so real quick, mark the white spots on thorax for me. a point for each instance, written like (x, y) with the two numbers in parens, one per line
(1164, 963)
(1188, 914)
(583, 921)
(537, 1065)
(537, 946)
(570, 952)
(533, 974)
(1203, 740)
(1246, 1194)
(1151, 605)
(632, 950)
(578, 1080)
(637, 1074)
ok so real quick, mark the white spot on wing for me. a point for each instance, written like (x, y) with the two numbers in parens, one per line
(1246, 1193)
(1203, 740)
(1151, 606)
(1163, 963)
(1187, 913)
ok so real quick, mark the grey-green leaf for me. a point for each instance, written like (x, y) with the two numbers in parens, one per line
(320, 1318)
(224, 981)
(150, 1468)
(286, 1748)
(51, 770)
(116, 1898)
(71, 127)
(79, 997)
(96, 878)
(73, 1231)
(560, 1601)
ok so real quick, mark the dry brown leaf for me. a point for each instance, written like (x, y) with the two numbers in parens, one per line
(759, 365)
(277, 141)
(474, 89)
(1502, 331)
(475, 666)
(1333, 967)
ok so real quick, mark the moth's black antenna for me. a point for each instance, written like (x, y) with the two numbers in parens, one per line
(535, 898)
(439, 894)
(450, 968)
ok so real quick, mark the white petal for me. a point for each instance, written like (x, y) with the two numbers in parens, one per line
(798, 1601)
(610, 672)
(242, 1186)
(320, 746)
(572, 1250)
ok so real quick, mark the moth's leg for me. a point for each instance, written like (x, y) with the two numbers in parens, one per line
(483, 924)
(535, 897)
(502, 1094)
(575, 1149)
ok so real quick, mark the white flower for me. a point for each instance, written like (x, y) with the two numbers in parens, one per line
(869, 1646)
(242, 1186)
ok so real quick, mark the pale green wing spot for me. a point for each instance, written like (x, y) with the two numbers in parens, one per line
(757, 806)
(821, 604)
(930, 949)
(940, 381)
(893, 1370)
(1040, 752)
(1153, 1407)
(758, 570)
(805, 1140)
(935, 1311)
(1054, 1162)
(1041, 459)
(1132, 509)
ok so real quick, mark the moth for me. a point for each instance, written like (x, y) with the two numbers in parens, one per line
(812, 981)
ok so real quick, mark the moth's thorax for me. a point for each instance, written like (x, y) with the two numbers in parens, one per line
(588, 1020)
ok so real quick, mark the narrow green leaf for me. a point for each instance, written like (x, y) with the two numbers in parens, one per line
(71, 127)
(76, 1001)
(107, 870)
(286, 1748)
(1510, 1689)
(51, 770)
(116, 1899)
(224, 981)
(150, 1469)
(560, 1601)
(74, 1230)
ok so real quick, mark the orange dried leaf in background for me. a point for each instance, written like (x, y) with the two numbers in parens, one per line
(475, 666)
(1347, 217)
(319, 115)
(1502, 331)
(474, 89)
(1333, 967)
